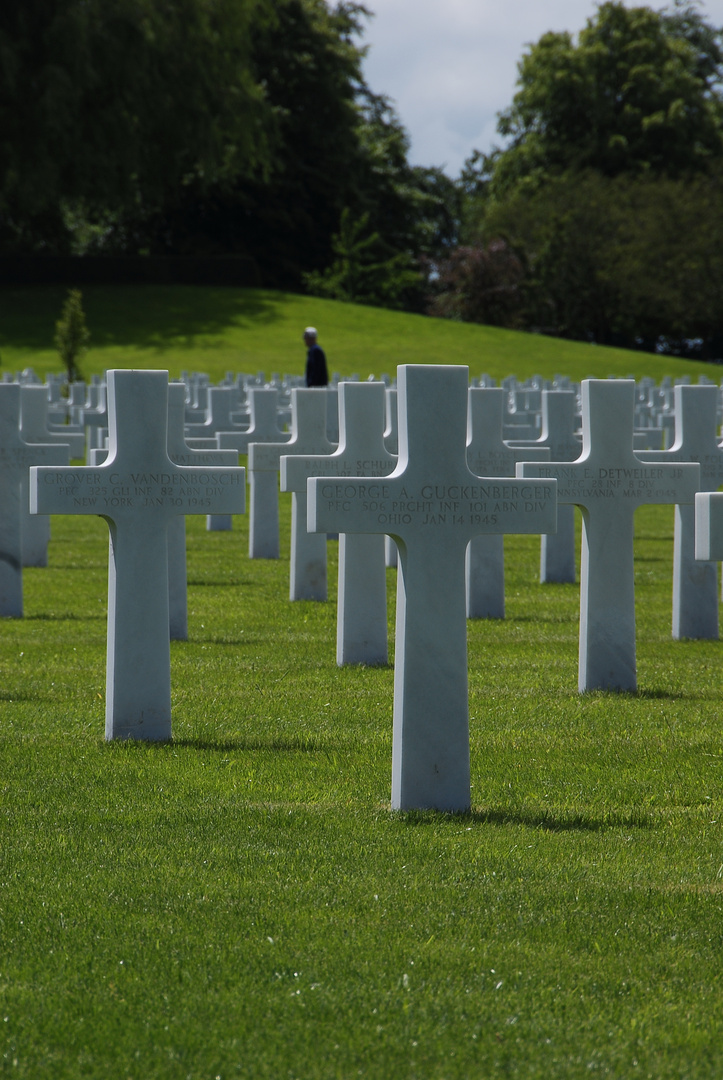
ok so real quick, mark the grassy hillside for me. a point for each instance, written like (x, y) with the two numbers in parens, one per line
(224, 329)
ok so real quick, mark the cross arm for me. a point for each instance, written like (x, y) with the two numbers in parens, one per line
(103, 490)
(484, 505)
(634, 483)
(295, 471)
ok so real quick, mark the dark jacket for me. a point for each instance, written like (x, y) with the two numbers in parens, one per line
(316, 373)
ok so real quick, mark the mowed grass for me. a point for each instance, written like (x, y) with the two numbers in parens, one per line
(242, 902)
(215, 330)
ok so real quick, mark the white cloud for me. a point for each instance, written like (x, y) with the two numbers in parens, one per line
(450, 66)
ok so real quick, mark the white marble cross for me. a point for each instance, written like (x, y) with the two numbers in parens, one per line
(223, 403)
(16, 456)
(196, 406)
(33, 429)
(95, 417)
(264, 425)
(181, 454)
(559, 435)
(432, 504)
(361, 627)
(391, 443)
(307, 566)
(332, 413)
(137, 489)
(34, 422)
(308, 436)
(489, 455)
(695, 584)
(609, 482)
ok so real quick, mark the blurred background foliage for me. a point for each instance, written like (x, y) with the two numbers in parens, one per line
(245, 127)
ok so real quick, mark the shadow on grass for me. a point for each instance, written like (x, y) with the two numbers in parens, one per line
(12, 696)
(64, 616)
(657, 694)
(298, 745)
(650, 694)
(533, 819)
(144, 316)
(234, 643)
(73, 568)
(218, 583)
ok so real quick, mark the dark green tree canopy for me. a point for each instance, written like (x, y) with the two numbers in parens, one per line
(304, 59)
(338, 151)
(116, 103)
(604, 211)
(632, 260)
(639, 91)
(208, 127)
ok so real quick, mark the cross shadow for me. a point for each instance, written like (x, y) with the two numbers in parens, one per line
(653, 694)
(293, 745)
(218, 582)
(540, 820)
(64, 616)
(235, 642)
(13, 696)
(102, 568)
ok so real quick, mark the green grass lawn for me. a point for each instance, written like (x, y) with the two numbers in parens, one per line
(224, 329)
(242, 902)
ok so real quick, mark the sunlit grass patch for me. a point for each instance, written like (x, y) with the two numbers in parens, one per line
(241, 902)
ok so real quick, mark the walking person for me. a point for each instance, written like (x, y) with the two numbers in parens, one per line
(316, 371)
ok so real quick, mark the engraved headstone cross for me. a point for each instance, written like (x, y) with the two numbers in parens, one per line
(138, 489)
(432, 504)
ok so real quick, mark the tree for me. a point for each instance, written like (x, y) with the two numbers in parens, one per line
(361, 271)
(413, 208)
(631, 260)
(638, 92)
(336, 148)
(609, 191)
(667, 263)
(206, 127)
(413, 211)
(303, 55)
(111, 104)
(71, 334)
(481, 283)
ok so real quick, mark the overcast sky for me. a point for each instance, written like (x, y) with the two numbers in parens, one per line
(450, 66)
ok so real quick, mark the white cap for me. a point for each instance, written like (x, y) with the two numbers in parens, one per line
(310, 330)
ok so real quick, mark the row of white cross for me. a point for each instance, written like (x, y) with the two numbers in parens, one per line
(445, 502)
(225, 408)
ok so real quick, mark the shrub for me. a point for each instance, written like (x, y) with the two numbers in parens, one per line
(71, 334)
